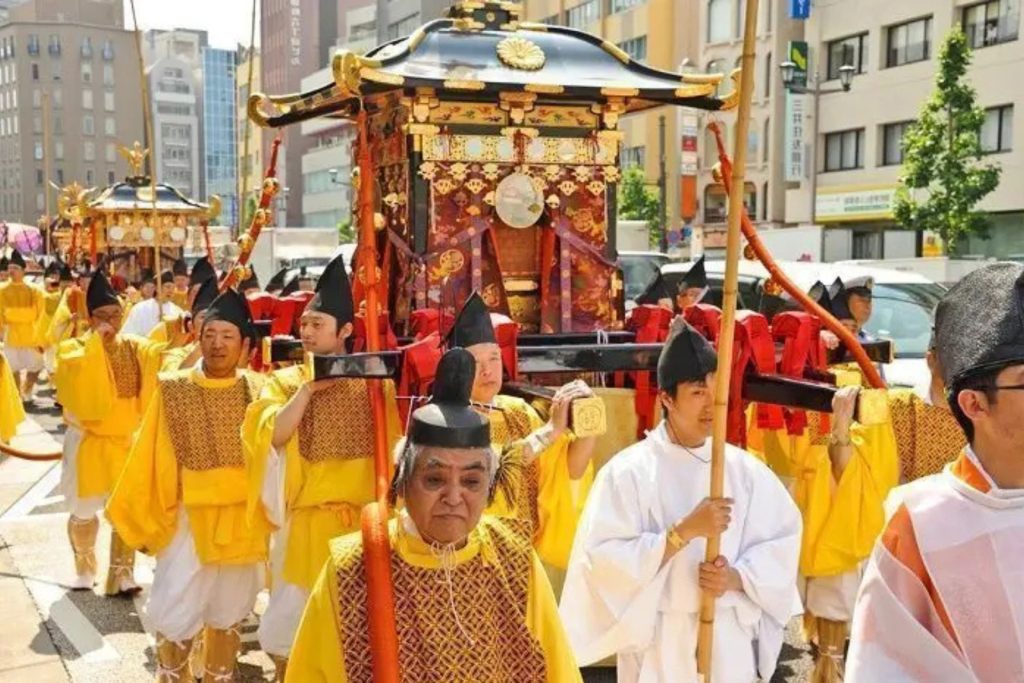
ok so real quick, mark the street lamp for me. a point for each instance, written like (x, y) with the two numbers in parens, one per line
(846, 73)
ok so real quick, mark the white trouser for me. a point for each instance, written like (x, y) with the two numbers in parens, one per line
(82, 508)
(832, 597)
(23, 358)
(188, 594)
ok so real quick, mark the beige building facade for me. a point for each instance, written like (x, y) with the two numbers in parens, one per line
(250, 167)
(69, 96)
(894, 48)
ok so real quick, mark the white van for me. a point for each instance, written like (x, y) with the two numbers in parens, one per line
(904, 304)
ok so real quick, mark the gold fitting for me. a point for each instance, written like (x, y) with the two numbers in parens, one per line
(271, 185)
(872, 407)
(588, 417)
(245, 242)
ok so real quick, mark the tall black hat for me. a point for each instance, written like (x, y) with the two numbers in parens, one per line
(4, 262)
(205, 295)
(52, 270)
(65, 273)
(333, 293)
(100, 293)
(839, 296)
(473, 324)
(979, 323)
(696, 276)
(448, 421)
(180, 267)
(291, 286)
(231, 307)
(200, 271)
(17, 259)
(251, 282)
(167, 277)
(655, 292)
(277, 281)
(686, 357)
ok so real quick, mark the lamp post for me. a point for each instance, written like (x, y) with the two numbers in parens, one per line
(788, 70)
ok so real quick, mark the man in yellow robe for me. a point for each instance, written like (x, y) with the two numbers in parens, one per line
(559, 473)
(183, 349)
(182, 498)
(103, 381)
(54, 290)
(21, 307)
(310, 448)
(180, 294)
(472, 600)
(11, 411)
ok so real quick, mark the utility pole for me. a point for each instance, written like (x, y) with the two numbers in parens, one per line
(662, 187)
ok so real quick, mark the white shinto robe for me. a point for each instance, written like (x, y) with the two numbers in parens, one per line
(619, 600)
(146, 315)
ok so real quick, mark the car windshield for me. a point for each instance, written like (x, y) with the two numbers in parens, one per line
(903, 313)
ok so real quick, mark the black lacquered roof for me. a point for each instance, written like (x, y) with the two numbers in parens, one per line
(134, 194)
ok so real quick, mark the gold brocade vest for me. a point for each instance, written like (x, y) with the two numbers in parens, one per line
(122, 355)
(489, 594)
(336, 424)
(203, 422)
(927, 437)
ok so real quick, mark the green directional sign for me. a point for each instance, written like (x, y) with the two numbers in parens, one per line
(798, 55)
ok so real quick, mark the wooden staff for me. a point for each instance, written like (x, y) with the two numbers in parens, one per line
(260, 217)
(705, 639)
(849, 340)
(380, 593)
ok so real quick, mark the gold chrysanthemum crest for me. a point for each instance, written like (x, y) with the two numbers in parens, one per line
(519, 53)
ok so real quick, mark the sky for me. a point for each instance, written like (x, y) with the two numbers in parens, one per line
(227, 21)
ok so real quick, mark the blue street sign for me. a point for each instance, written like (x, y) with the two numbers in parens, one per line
(799, 9)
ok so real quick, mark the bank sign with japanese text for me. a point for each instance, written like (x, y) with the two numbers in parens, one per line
(839, 204)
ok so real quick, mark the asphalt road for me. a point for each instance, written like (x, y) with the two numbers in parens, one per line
(49, 633)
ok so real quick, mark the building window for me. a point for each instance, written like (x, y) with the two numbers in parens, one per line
(719, 21)
(997, 131)
(86, 50)
(849, 51)
(108, 74)
(403, 27)
(764, 202)
(553, 20)
(58, 150)
(89, 150)
(54, 47)
(87, 99)
(108, 51)
(715, 201)
(109, 126)
(89, 177)
(767, 138)
(582, 14)
(88, 125)
(35, 71)
(991, 22)
(632, 156)
(58, 125)
(752, 140)
(58, 98)
(108, 101)
(37, 124)
(110, 178)
(636, 48)
(909, 42)
(86, 72)
(768, 74)
(33, 44)
(39, 177)
(60, 177)
(892, 142)
(622, 5)
(844, 150)
(111, 153)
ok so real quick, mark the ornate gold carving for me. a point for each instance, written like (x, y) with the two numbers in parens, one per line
(695, 90)
(136, 157)
(378, 76)
(703, 79)
(620, 91)
(732, 100)
(346, 67)
(464, 85)
(214, 207)
(517, 104)
(544, 88)
(533, 26)
(422, 129)
(255, 112)
(519, 53)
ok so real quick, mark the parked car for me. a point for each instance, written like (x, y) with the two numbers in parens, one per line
(904, 305)
(639, 269)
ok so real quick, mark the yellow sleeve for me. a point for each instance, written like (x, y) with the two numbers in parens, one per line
(842, 520)
(558, 511)
(544, 624)
(144, 505)
(150, 355)
(11, 411)
(56, 331)
(257, 437)
(317, 650)
(83, 381)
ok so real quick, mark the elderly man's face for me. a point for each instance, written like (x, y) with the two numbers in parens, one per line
(447, 493)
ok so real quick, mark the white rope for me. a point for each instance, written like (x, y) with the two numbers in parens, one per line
(445, 554)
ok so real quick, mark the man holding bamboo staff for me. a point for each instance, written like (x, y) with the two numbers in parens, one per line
(636, 573)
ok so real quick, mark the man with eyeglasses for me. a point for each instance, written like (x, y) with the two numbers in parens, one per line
(104, 379)
(942, 595)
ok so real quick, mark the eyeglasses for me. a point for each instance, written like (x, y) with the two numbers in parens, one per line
(108, 317)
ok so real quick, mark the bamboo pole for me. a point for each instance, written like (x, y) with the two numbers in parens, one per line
(705, 640)
(147, 122)
(246, 170)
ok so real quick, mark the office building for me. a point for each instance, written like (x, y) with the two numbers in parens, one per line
(69, 96)
(220, 157)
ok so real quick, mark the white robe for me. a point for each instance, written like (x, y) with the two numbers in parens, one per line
(619, 600)
(146, 315)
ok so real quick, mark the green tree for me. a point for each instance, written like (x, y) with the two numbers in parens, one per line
(639, 203)
(346, 233)
(248, 209)
(944, 177)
